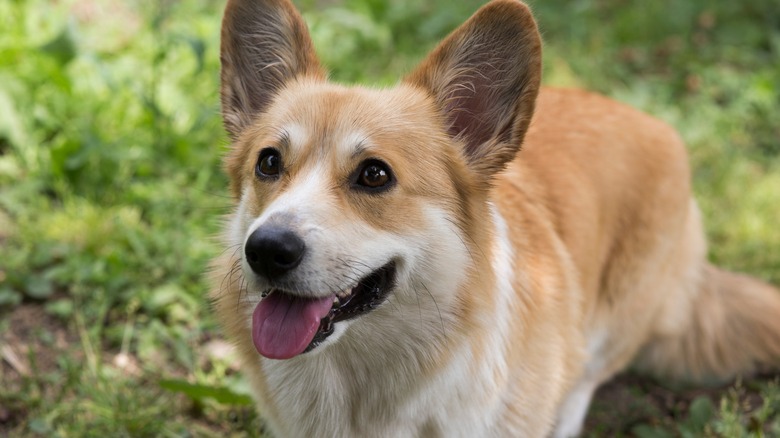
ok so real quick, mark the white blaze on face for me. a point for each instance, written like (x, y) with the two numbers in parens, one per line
(301, 202)
(297, 135)
(352, 142)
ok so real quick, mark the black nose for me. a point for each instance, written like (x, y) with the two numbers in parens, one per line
(272, 251)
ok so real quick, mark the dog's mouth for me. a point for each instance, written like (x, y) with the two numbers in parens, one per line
(285, 325)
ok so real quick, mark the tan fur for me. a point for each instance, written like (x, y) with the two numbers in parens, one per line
(524, 282)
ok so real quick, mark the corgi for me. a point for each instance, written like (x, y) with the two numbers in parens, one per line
(396, 265)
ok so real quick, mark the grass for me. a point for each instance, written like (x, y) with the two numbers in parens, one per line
(111, 191)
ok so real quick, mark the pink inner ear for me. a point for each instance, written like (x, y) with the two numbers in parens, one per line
(264, 45)
(476, 109)
(485, 77)
(466, 109)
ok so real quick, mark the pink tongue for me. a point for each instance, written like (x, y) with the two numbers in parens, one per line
(283, 326)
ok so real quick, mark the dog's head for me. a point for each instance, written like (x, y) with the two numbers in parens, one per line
(360, 205)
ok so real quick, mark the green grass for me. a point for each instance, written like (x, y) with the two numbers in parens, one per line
(111, 188)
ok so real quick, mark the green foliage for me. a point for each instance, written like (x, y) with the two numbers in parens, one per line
(739, 419)
(108, 155)
(700, 413)
(200, 392)
(111, 188)
(393, 35)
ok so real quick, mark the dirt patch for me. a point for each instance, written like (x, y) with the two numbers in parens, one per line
(36, 338)
(31, 342)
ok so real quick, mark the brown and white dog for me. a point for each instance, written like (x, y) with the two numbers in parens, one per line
(396, 268)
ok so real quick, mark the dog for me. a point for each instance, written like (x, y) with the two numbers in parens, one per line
(395, 265)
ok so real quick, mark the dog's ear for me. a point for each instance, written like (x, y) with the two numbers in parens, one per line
(485, 78)
(265, 43)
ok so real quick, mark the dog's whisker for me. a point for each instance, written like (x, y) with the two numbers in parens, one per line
(441, 320)
(471, 239)
(236, 247)
(419, 308)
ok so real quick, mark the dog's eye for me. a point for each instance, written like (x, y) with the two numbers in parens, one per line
(269, 164)
(374, 175)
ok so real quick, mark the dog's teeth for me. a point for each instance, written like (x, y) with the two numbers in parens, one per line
(336, 301)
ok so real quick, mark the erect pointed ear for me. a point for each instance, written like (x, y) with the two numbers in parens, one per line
(265, 43)
(484, 78)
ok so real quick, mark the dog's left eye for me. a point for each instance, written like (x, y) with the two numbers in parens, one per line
(269, 164)
(374, 175)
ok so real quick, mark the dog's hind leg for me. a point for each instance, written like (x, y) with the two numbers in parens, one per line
(714, 326)
(643, 279)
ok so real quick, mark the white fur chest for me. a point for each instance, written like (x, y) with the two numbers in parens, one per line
(324, 398)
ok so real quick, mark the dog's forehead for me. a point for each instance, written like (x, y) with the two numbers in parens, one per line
(345, 120)
(344, 141)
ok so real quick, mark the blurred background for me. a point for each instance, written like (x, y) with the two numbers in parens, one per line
(111, 191)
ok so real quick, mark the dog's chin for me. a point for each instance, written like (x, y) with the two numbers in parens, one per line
(364, 297)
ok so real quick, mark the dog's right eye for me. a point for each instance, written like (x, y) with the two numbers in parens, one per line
(269, 164)
(373, 176)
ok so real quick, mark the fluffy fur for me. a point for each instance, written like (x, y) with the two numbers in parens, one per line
(524, 280)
